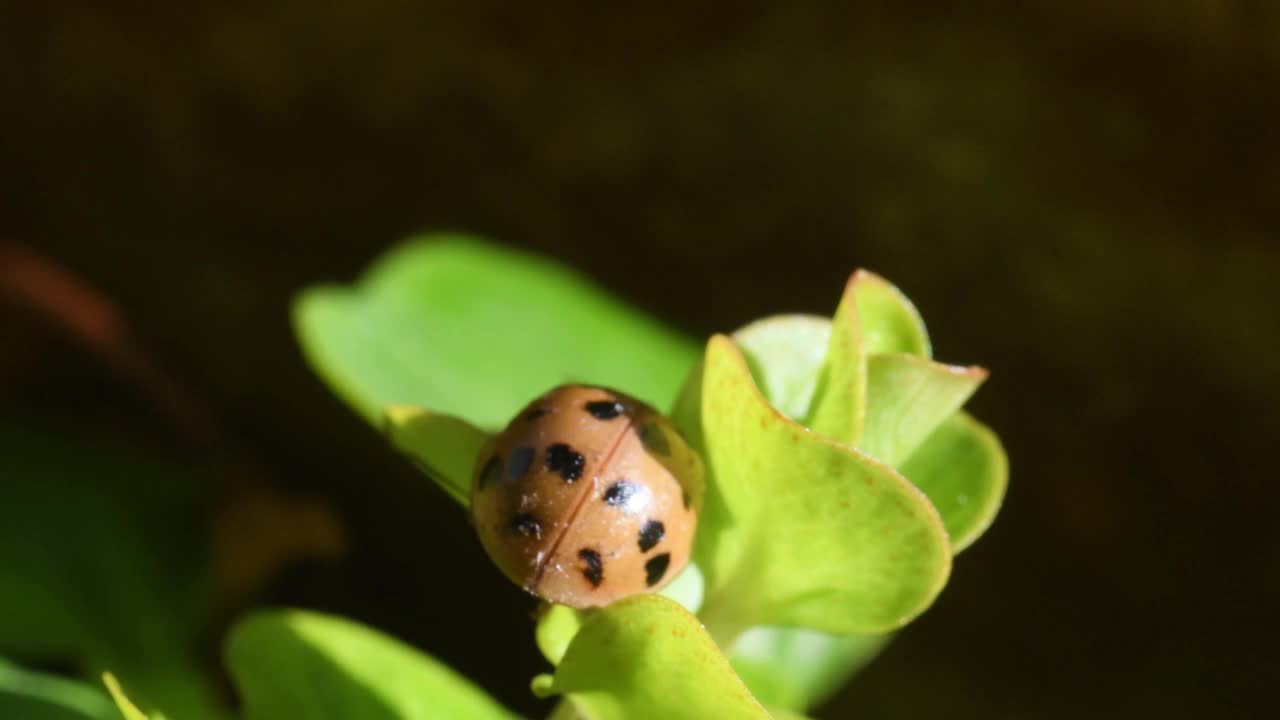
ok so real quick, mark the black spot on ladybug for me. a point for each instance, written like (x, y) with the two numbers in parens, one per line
(605, 409)
(656, 568)
(519, 462)
(650, 535)
(594, 570)
(654, 439)
(526, 524)
(535, 414)
(565, 460)
(492, 469)
(620, 493)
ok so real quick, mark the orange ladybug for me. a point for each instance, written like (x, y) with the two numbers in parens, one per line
(588, 496)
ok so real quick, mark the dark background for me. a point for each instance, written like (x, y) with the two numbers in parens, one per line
(1080, 196)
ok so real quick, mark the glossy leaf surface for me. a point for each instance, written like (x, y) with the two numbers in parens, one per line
(463, 328)
(293, 664)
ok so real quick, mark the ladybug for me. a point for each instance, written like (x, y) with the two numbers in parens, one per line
(587, 496)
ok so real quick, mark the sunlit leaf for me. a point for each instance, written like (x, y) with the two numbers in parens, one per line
(873, 317)
(442, 446)
(557, 624)
(785, 354)
(890, 322)
(555, 630)
(28, 695)
(293, 664)
(839, 404)
(647, 657)
(907, 397)
(797, 529)
(963, 469)
(473, 330)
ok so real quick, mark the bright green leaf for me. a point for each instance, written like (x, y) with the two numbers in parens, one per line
(293, 664)
(647, 657)
(797, 668)
(840, 398)
(473, 330)
(872, 318)
(890, 323)
(443, 447)
(28, 695)
(558, 623)
(555, 630)
(963, 469)
(907, 397)
(797, 529)
(785, 354)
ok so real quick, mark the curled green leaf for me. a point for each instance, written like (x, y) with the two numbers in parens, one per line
(840, 399)
(798, 529)
(647, 657)
(557, 625)
(786, 354)
(890, 322)
(963, 469)
(910, 414)
(907, 397)
(814, 369)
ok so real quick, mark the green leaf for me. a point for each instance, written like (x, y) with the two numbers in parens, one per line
(890, 323)
(798, 529)
(963, 469)
(27, 695)
(907, 396)
(840, 398)
(556, 628)
(872, 318)
(797, 668)
(647, 657)
(785, 354)
(472, 330)
(294, 664)
(442, 446)
(557, 624)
